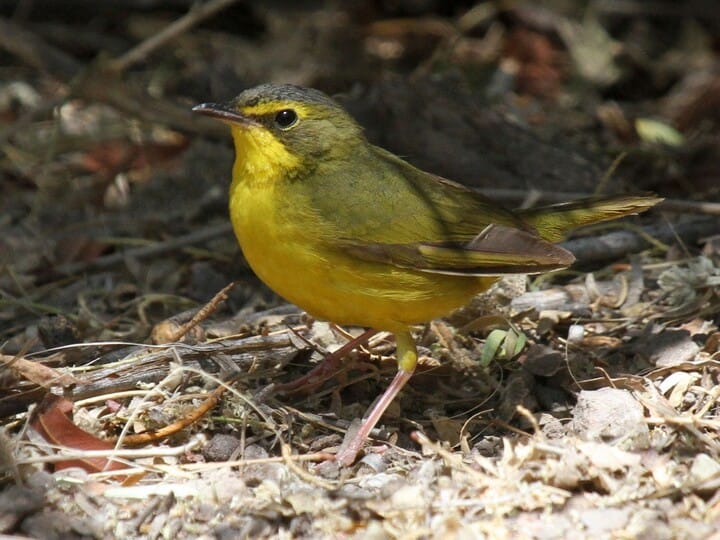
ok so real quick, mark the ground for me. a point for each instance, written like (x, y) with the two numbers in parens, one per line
(578, 404)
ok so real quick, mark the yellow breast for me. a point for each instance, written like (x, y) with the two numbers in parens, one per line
(290, 247)
(284, 245)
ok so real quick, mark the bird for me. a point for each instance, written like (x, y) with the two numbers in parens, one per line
(355, 235)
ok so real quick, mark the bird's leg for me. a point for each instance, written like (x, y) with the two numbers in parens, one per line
(407, 360)
(325, 369)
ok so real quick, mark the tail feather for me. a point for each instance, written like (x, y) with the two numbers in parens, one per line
(554, 222)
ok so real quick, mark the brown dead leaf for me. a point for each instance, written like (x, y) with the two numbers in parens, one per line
(52, 421)
(540, 67)
(37, 372)
(712, 344)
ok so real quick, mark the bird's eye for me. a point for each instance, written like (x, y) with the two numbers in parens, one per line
(286, 118)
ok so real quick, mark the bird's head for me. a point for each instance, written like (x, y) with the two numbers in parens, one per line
(285, 129)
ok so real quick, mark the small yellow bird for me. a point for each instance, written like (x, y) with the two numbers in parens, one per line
(353, 234)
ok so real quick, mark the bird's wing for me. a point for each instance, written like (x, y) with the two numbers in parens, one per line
(393, 213)
(496, 250)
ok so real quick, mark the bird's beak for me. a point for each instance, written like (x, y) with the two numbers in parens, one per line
(224, 112)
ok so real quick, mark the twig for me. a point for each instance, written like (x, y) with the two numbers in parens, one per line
(661, 411)
(196, 15)
(290, 463)
(195, 467)
(151, 364)
(690, 207)
(166, 431)
(158, 248)
(202, 314)
(619, 243)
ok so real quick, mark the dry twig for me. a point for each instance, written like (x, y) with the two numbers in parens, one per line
(195, 16)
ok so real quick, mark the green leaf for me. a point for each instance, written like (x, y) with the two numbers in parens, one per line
(654, 131)
(520, 342)
(492, 346)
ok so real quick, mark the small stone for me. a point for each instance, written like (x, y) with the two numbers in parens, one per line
(611, 415)
(705, 469)
(221, 447)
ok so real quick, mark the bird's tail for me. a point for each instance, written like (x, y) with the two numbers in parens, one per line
(554, 222)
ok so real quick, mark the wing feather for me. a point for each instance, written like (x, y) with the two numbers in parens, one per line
(496, 250)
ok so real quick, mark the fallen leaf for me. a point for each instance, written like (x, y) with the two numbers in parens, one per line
(52, 421)
(654, 131)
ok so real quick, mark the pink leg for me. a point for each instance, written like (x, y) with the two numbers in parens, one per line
(350, 448)
(325, 369)
(407, 359)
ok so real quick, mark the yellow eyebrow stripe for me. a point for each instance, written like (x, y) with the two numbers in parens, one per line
(262, 109)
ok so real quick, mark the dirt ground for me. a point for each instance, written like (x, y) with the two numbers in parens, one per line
(139, 352)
